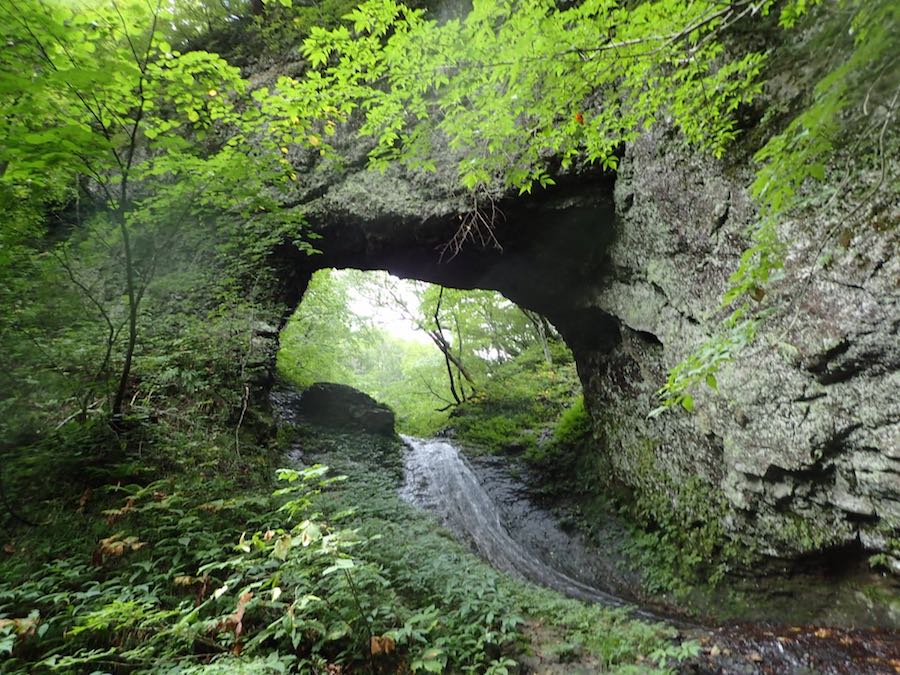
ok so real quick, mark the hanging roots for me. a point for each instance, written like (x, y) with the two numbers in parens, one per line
(476, 226)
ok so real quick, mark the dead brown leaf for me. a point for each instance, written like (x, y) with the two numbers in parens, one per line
(85, 498)
(382, 644)
(234, 622)
(203, 590)
(115, 515)
(24, 627)
(114, 547)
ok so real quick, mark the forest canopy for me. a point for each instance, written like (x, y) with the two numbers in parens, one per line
(149, 150)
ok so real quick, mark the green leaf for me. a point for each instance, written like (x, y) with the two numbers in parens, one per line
(282, 547)
(337, 631)
(817, 171)
(339, 565)
(7, 642)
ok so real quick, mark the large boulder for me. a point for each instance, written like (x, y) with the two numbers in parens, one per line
(337, 405)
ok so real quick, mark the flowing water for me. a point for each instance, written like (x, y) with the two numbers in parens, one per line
(483, 504)
(441, 481)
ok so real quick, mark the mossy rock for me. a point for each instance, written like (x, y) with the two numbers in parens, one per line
(343, 407)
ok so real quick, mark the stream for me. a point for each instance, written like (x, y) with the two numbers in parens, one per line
(439, 480)
(493, 511)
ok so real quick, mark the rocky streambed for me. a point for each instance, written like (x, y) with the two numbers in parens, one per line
(800, 625)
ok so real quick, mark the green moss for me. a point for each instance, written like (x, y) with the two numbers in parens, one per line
(680, 536)
(495, 431)
(803, 534)
(677, 523)
(574, 425)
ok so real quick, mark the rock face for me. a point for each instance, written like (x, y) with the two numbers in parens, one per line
(799, 451)
(337, 405)
(802, 439)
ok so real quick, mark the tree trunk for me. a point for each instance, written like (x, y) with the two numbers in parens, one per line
(437, 336)
(542, 329)
(133, 301)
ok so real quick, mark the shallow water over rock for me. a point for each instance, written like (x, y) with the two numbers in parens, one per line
(488, 507)
(506, 529)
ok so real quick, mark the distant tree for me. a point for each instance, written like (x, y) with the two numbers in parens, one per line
(152, 137)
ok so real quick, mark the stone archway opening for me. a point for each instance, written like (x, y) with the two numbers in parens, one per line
(627, 269)
(423, 349)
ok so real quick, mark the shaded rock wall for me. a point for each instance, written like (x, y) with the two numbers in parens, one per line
(803, 439)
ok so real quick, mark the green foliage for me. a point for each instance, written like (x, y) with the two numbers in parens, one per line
(470, 609)
(328, 340)
(285, 25)
(622, 642)
(680, 536)
(103, 594)
(319, 342)
(116, 189)
(141, 184)
(523, 398)
(574, 424)
(701, 366)
(165, 214)
(336, 335)
(512, 84)
(404, 374)
(486, 328)
(221, 579)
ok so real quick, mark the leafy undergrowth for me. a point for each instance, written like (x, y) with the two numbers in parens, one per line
(211, 572)
(520, 403)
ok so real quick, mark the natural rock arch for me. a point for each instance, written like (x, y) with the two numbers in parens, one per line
(802, 448)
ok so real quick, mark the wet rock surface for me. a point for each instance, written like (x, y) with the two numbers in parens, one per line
(485, 504)
(512, 534)
(802, 437)
(538, 528)
(762, 649)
